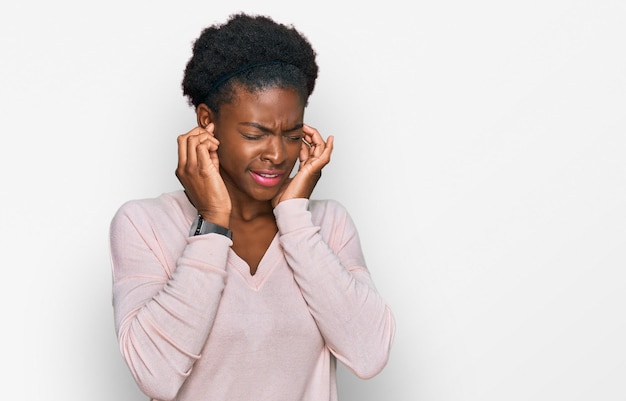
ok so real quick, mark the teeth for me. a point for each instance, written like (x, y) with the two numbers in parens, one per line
(269, 175)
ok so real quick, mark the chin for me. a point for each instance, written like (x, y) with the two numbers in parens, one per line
(265, 195)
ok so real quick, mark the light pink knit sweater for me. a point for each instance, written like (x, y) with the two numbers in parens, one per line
(193, 324)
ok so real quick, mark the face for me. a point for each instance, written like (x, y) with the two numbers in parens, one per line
(260, 136)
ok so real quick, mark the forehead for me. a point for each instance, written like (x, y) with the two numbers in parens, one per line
(244, 94)
(269, 103)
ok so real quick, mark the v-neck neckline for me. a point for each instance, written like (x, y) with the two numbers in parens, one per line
(265, 267)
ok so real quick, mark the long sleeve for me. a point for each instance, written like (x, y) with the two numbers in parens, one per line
(322, 247)
(164, 308)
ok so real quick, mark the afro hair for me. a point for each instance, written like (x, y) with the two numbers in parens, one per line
(254, 52)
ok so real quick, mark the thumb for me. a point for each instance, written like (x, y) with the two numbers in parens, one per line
(281, 192)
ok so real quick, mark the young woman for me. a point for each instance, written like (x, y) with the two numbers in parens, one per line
(240, 287)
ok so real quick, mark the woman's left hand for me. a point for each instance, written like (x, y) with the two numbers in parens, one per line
(314, 155)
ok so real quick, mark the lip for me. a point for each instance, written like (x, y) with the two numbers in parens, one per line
(267, 178)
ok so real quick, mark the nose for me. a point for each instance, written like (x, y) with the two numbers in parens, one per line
(274, 150)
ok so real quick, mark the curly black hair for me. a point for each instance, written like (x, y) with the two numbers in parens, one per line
(253, 52)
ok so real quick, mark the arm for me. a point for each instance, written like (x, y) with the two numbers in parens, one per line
(163, 315)
(329, 268)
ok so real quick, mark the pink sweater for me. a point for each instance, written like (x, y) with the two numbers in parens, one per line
(193, 324)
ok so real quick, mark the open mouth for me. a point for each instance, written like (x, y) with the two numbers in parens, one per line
(267, 178)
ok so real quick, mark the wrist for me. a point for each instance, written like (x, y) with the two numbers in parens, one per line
(201, 227)
(219, 218)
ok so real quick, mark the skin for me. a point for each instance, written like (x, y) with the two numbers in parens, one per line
(220, 162)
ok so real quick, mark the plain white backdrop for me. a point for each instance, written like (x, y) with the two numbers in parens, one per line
(480, 148)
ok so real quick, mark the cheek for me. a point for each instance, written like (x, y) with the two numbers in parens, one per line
(293, 149)
(237, 152)
(226, 154)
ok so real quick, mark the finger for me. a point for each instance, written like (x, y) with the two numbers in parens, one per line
(304, 151)
(212, 141)
(207, 137)
(316, 141)
(206, 157)
(182, 141)
(328, 149)
(192, 143)
(211, 129)
(306, 128)
(310, 134)
(322, 157)
(182, 151)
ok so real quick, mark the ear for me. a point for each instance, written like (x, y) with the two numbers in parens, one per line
(204, 115)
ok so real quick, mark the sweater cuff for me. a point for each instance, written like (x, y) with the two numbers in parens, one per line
(292, 215)
(208, 250)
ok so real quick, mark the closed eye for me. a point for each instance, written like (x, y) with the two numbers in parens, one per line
(294, 138)
(252, 137)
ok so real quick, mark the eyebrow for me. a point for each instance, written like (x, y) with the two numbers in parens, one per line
(268, 130)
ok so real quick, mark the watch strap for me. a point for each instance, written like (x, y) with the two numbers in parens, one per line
(201, 227)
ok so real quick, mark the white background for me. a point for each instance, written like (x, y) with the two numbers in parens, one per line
(480, 147)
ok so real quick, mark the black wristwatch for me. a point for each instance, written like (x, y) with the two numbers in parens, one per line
(200, 227)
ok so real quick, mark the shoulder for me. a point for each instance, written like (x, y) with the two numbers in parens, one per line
(337, 228)
(326, 207)
(330, 213)
(151, 210)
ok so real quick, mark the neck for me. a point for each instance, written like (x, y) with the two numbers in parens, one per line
(251, 210)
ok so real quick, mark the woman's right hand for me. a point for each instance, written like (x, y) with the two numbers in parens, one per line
(198, 171)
